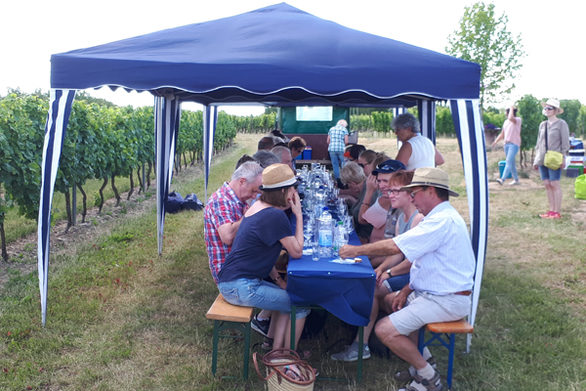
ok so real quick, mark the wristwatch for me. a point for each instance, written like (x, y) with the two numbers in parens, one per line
(389, 272)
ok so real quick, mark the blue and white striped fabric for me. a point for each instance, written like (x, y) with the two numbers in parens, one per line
(210, 119)
(166, 128)
(60, 105)
(468, 124)
(426, 110)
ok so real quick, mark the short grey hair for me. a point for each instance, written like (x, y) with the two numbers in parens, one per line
(352, 172)
(279, 150)
(406, 121)
(247, 170)
(266, 158)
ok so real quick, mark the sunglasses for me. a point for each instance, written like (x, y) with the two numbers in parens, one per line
(548, 108)
(412, 194)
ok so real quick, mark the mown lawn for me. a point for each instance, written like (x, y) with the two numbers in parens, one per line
(120, 317)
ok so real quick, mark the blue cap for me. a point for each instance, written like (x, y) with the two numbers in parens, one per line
(388, 167)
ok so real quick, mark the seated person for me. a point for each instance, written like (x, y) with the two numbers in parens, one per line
(352, 152)
(264, 231)
(368, 160)
(378, 212)
(297, 146)
(353, 177)
(393, 273)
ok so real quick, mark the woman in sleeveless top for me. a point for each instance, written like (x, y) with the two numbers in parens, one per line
(416, 150)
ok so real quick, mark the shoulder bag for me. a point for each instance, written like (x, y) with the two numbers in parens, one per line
(553, 159)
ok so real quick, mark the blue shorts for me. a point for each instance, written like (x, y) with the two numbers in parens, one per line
(547, 174)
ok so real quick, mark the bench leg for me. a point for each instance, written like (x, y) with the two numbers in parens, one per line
(246, 350)
(215, 346)
(451, 359)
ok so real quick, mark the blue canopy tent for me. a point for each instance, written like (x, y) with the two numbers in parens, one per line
(278, 55)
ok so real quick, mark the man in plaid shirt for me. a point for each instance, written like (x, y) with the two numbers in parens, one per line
(337, 140)
(224, 210)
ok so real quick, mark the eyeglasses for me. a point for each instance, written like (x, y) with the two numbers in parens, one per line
(548, 108)
(412, 194)
(362, 164)
(394, 191)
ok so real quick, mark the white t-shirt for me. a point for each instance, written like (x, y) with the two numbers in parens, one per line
(422, 153)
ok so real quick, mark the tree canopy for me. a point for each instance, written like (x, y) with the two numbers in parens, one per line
(484, 39)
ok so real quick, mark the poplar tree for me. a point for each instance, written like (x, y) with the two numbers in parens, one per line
(483, 38)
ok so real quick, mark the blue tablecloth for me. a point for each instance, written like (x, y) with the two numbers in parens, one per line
(345, 290)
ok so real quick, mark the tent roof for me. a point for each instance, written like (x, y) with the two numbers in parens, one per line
(275, 55)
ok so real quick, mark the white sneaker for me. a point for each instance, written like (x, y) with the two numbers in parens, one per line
(351, 353)
(514, 183)
(500, 181)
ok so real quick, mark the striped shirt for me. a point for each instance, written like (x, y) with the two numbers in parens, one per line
(223, 207)
(440, 251)
(337, 134)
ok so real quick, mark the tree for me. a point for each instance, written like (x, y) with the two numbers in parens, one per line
(484, 39)
(531, 117)
(571, 113)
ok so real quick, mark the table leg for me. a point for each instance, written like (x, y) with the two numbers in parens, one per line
(360, 353)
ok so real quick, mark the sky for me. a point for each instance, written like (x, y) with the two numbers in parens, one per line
(552, 33)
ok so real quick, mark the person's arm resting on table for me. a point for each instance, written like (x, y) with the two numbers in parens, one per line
(382, 247)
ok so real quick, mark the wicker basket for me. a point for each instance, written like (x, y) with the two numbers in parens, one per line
(285, 371)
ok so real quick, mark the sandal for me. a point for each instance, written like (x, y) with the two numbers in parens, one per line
(267, 344)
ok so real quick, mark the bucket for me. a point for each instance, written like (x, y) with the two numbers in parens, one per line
(502, 165)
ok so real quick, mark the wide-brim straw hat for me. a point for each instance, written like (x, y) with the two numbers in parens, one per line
(430, 176)
(554, 103)
(277, 176)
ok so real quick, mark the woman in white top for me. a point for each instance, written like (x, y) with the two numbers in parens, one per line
(416, 150)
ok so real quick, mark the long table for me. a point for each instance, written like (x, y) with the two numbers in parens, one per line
(344, 290)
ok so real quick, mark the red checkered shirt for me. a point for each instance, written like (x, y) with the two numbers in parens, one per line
(223, 207)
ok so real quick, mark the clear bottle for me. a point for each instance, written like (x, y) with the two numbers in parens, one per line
(325, 233)
(340, 238)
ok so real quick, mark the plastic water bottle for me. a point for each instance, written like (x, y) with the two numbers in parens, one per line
(340, 238)
(325, 232)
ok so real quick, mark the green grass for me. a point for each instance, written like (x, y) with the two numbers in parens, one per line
(120, 317)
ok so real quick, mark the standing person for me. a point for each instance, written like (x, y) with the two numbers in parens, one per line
(442, 273)
(337, 140)
(511, 133)
(557, 133)
(416, 150)
(265, 230)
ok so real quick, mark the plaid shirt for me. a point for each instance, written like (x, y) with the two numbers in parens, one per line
(337, 134)
(223, 207)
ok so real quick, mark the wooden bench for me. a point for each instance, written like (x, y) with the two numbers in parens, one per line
(444, 333)
(227, 316)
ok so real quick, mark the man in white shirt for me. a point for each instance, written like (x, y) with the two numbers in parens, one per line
(442, 273)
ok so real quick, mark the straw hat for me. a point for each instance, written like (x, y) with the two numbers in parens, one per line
(434, 177)
(277, 176)
(554, 103)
